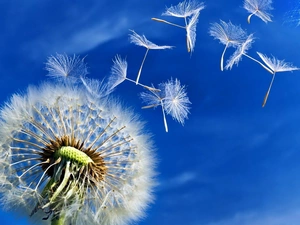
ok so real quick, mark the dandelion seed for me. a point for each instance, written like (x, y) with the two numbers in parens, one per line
(242, 50)
(276, 66)
(184, 10)
(173, 99)
(191, 32)
(239, 52)
(142, 41)
(66, 68)
(228, 34)
(73, 159)
(119, 74)
(152, 100)
(96, 88)
(176, 102)
(259, 8)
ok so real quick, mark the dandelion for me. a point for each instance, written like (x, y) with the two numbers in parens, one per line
(66, 68)
(228, 34)
(73, 159)
(259, 8)
(276, 66)
(144, 42)
(185, 10)
(173, 99)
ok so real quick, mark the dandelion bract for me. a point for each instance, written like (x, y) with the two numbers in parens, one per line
(70, 158)
(260, 8)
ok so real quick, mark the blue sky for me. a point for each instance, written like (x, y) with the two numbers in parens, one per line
(233, 162)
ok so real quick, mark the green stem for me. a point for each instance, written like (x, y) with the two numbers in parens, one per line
(58, 220)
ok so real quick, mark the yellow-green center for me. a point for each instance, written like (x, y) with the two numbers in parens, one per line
(73, 154)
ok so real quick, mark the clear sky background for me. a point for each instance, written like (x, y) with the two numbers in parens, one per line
(233, 162)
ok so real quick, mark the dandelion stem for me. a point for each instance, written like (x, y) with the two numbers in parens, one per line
(268, 92)
(188, 44)
(150, 106)
(164, 116)
(142, 85)
(255, 60)
(140, 70)
(187, 38)
(222, 57)
(164, 21)
(249, 17)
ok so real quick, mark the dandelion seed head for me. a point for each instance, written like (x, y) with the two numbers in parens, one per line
(66, 68)
(72, 157)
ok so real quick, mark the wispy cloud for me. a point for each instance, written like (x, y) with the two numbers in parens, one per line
(67, 26)
(178, 181)
(80, 40)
